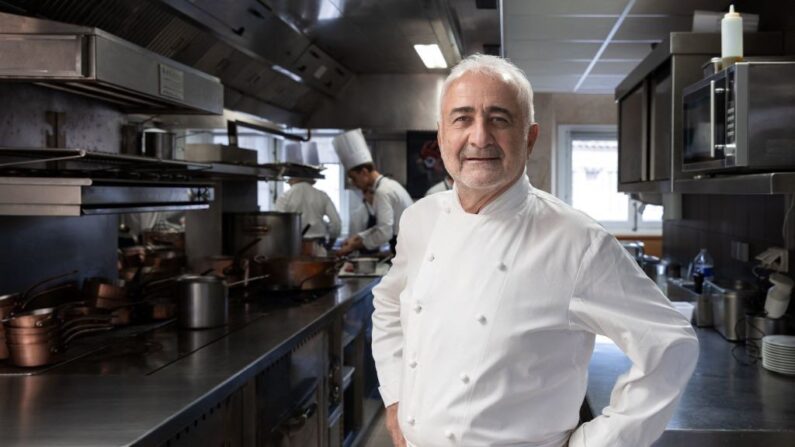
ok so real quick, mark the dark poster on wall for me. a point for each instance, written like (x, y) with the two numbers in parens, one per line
(424, 166)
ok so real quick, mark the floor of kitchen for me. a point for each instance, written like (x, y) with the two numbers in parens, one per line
(378, 436)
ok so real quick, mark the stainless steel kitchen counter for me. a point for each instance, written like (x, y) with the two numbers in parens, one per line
(120, 397)
(726, 403)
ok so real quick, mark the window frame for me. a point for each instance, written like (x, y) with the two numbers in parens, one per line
(562, 175)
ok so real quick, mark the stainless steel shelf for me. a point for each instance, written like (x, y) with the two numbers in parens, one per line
(47, 196)
(766, 183)
(652, 186)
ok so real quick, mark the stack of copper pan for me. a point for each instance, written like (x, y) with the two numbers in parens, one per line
(32, 337)
(7, 303)
(110, 295)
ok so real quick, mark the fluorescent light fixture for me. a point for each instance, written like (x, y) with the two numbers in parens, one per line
(287, 73)
(431, 55)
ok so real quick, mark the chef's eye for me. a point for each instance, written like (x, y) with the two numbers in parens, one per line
(461, 119)
(499, 119)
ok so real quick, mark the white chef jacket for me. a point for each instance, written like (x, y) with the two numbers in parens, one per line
(389, 202)
(485, 324)
(439, 187)
(313, 204)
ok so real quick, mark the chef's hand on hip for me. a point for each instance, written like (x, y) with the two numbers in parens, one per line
(394, 428)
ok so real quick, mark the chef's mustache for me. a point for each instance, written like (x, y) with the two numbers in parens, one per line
(492, 151)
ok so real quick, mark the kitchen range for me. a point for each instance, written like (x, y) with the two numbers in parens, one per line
(152, 294)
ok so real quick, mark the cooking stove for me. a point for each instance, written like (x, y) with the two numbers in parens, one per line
(147, 348)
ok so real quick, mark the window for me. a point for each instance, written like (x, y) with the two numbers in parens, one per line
(587, 179)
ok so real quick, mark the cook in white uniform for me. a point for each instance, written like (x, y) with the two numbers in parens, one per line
(485, 324)
(444, 185)
(312, 203)
(390, 198)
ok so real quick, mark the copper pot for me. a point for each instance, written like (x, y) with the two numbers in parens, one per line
(132, 257)
(30, 355)
(7, 303)
(3, 348)
(31, 336)
(33, 318)
(96, 287)
(299, 273)
(163, 309)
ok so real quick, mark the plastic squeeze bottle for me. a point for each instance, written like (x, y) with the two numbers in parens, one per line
(731, 38)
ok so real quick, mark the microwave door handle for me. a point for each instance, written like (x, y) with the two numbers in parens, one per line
(712, 119)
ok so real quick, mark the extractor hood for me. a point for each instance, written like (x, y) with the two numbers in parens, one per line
(91, 62)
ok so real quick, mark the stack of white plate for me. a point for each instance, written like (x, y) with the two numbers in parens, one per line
(778, 353)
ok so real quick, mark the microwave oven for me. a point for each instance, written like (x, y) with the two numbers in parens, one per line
(741, 119)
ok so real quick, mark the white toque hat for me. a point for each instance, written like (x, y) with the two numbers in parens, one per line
(311, 156)
(293, 153)
(352, 149)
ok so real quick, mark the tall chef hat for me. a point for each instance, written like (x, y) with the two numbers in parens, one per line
(293, 153)
(352, 149)
(311, 155)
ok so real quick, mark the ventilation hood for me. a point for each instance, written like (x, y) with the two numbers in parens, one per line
(94, 63)
(268, 67)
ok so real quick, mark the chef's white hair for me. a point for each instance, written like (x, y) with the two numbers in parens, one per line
(497, 67)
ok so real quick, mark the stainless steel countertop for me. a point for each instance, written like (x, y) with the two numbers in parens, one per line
(118, 397)
(726, 403)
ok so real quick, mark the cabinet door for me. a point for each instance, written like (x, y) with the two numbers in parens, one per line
(632, 136)
(660, 124)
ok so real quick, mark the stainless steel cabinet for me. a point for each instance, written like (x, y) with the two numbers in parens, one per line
(650, 106)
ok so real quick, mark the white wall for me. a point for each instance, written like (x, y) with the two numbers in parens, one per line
(554, 109)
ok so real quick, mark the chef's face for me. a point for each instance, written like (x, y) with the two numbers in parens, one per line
(483, 135)
(361, 179)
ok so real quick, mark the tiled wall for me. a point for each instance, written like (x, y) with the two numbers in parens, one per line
(713, 221)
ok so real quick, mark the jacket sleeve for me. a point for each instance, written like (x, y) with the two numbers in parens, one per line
(281, 202)
(382, 232)
(335, 224)
(387, 330)
(613, 297)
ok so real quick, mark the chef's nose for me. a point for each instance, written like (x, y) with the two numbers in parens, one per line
(481, 134)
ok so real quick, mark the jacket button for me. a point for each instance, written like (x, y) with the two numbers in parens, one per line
(481, 319)
(449, 434)
(502, 267)
(464, 378)
(413, 364)
(447, 210)
(417, 308)
(411, 420)
(431, 257)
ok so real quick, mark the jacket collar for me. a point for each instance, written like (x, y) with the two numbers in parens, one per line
(511, 199)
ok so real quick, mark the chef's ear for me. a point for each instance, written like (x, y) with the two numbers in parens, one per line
(532, 136)
(439, 134)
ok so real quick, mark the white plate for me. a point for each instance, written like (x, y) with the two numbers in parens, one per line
(775, 358)
(775, 368)
(784, 352)
(782, 341)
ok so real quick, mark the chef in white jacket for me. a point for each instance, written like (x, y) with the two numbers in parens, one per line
(390, 198)
(314, 205)
(445, 185)
(485, 324)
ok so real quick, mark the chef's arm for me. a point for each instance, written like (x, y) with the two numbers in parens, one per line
(613, 297)
(281, 203)
(381, 233)
(335, 224)
(387, 329)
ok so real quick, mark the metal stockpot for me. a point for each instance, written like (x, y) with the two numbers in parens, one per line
(279, 234)
(203, 302)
